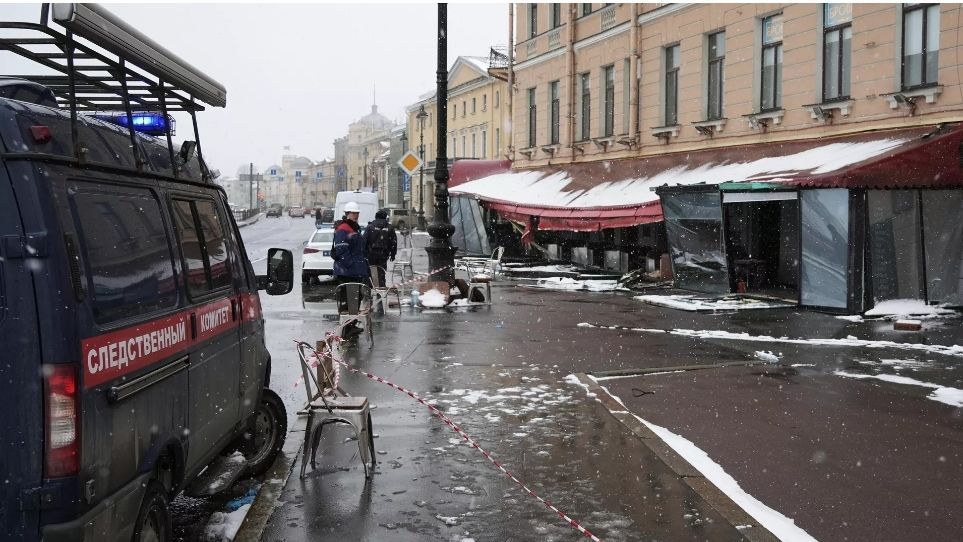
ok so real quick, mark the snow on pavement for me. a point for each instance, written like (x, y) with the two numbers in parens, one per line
(564, 283)
(224, 525)
(703, 303)
(942, 394)
(952, 350)
(908, 307)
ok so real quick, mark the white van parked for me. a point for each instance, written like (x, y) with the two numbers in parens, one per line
(367, 202)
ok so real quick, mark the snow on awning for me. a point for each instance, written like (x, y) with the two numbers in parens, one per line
(619, 193)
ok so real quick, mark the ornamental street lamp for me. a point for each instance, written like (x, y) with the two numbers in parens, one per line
(441, 255)
(421, 116)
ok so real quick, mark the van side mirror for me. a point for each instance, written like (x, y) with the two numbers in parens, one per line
(280, 272)
(188, 148)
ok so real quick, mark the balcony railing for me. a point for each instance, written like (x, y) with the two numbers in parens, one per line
(555, 39)
(498, 57)
(608, 17)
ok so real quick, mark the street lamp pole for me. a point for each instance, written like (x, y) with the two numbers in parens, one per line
(401, 179)
(441, 255)
(421, 174)
(250, 180)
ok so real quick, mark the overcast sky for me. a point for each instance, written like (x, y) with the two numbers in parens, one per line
(298, 74)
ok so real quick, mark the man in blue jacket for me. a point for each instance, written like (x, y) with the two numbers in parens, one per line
(350, 262)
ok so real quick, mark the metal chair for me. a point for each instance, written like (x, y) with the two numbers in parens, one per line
(354, 307)
(328, 404)
(380, 292)
(401, 263)
(482, 266)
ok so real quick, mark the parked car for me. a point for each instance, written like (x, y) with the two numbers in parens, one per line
(274, 210)
(398, 218)
(316, 259)
(134, 353)
(296, 211)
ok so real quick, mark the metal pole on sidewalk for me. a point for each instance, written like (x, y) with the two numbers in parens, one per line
(441, 255)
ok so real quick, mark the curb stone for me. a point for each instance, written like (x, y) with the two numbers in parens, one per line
(747, 526)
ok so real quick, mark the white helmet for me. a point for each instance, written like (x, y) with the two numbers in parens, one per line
(351, 207)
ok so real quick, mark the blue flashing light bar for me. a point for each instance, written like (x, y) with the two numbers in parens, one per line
(154, 124)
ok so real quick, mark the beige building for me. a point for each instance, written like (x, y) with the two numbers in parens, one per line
(597, 81)
(477, 122)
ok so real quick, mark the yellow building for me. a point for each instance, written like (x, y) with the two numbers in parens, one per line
(477, 123)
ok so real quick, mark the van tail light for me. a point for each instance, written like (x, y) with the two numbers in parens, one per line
(61, 421)
(311, 250)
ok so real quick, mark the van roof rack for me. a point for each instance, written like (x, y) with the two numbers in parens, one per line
(103, 64)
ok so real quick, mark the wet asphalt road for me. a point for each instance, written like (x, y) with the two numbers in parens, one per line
(840, 456)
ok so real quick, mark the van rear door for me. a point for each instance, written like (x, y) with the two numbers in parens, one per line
(21, 384)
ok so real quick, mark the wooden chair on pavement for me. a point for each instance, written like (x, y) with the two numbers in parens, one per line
(354, 308)
(329, 404)
(380, 292)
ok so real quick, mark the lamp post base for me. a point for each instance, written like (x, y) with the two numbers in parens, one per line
(441, 255)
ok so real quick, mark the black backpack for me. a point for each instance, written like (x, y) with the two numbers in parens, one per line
(380, 240)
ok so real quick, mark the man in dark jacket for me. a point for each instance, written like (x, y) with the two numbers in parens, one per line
(380, 244)
(350, 263)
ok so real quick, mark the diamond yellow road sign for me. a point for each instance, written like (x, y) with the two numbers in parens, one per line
(410, 162)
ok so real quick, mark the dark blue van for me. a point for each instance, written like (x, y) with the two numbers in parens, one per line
(132, 352)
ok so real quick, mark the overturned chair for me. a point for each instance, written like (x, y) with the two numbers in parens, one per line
(328, 404)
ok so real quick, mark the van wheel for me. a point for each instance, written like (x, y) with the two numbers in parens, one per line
(265, 435)
(154, 518)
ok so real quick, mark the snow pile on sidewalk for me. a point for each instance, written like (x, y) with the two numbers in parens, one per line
(563, 283)
(703, 303)
(224, 525)
(908, 307)
(433, 299)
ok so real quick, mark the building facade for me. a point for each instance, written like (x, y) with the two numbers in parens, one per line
(364, 145)
(810, 152)
(477, 122)
(601, 82)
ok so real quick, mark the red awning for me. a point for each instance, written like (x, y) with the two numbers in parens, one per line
(463, 171)
(589, 196)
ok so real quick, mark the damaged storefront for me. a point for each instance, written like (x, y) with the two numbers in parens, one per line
(842, 224)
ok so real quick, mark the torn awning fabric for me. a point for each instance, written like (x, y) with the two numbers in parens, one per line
(590, 196)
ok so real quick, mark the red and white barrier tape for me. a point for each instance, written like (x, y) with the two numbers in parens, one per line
(330, 337)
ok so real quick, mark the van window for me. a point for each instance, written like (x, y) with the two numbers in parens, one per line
(126, 251)
(202, 244)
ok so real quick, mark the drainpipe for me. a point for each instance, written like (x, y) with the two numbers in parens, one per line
(510, 133)
(634, 74)
(571, 77)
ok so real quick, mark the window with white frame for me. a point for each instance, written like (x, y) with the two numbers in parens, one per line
(837, 50)
(608, 105)
(532, 117)
(771, 76)
(586, 109)
(717, 72)
(671, 110)
(532, 20)
(473, 146)
(484, 140)
(554, 110)
(921, 44)
(556, 11)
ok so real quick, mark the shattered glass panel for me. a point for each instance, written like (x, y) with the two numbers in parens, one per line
(825, 247)
(943, 240)
(693, 224)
